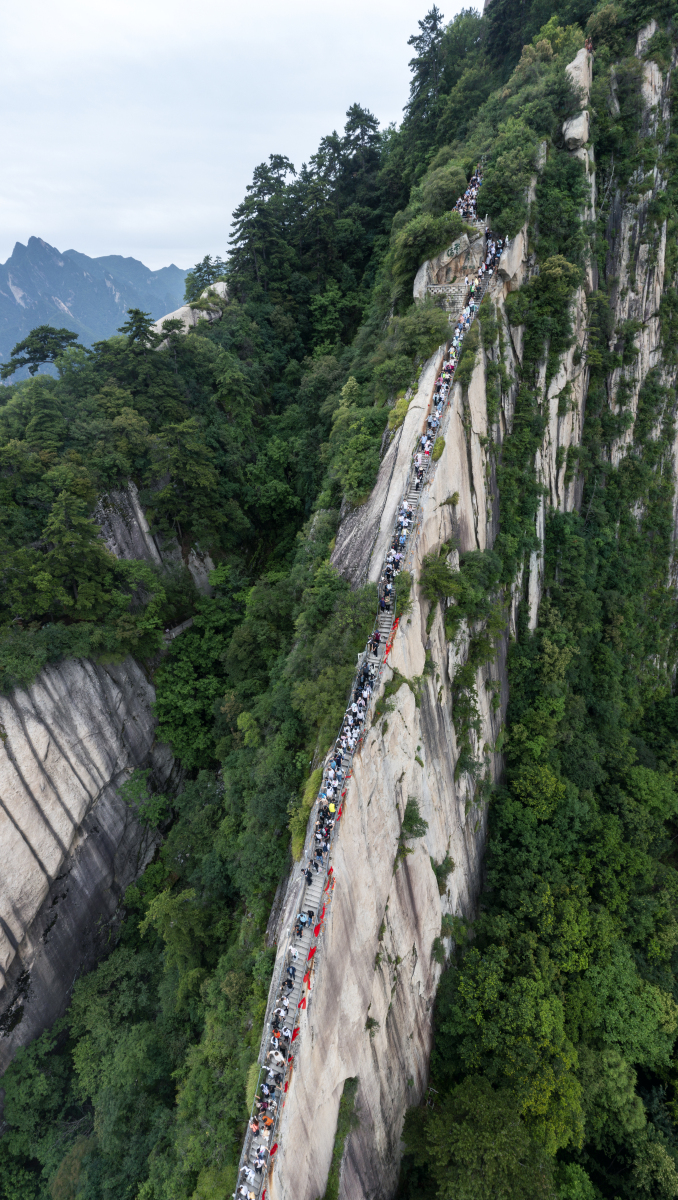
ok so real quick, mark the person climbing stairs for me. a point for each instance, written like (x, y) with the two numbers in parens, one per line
(278, 1052)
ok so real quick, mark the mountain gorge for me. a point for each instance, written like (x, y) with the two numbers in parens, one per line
(491, 1007)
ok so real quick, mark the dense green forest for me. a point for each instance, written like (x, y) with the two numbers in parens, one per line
(556, 1020)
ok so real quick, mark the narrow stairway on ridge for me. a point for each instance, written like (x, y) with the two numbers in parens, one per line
(260, 1145)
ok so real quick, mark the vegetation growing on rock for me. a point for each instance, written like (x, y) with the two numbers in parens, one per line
(556, 1022)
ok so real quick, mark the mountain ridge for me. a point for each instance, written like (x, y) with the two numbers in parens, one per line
(40, 285)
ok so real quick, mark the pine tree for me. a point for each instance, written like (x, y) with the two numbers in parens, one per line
(45, 430)
(361, 136)
(426, 66)
(75, 574)
(361, 150)
(204, 273)
(261, 250)
(139, 331)
(314, 213)
(43, 344)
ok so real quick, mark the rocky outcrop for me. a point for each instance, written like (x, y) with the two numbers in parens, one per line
(127, 534)
(576, 131)
(190, 316)
(511, 267)
(124, 527)
(364, 531)
(580, 71)
(69, 845)
(200, 564)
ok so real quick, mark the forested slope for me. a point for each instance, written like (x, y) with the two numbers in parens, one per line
(558, 1012)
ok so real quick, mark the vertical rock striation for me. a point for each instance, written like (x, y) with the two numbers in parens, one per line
(69, 846)
(375, 959)
(127, 534)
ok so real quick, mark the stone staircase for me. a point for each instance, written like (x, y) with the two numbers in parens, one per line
(455, 292)
(316, 894)
(296, 960)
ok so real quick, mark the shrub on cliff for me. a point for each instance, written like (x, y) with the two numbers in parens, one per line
(421, 238)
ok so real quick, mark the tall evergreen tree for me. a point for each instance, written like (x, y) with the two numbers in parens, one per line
(45, 430)
(139, 331)
(361, 136)
(204, 273)
(260, 249)
(427, 65)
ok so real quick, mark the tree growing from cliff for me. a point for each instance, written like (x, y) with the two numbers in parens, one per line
(204, 273)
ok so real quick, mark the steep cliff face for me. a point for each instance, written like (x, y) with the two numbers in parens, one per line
(364, 533)
(376, 955)
(637, 251)
(127, 534)
(68, 844)
(124, 527)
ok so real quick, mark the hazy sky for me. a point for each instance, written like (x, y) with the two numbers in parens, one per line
(133, 126)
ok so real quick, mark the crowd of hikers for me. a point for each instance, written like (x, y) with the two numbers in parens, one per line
(336, 771)
(466, 204)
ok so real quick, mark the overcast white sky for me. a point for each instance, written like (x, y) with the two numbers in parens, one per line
(132, 126)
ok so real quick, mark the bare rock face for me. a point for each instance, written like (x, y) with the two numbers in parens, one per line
(644, 36)
(637, 254)
(69, 846)
(127, 534)
(580, 71)
(200, 564)
(576, 130)
(365, 531)
(124, 526)
(512, 261)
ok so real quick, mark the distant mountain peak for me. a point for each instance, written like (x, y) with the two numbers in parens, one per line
(41, 285)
